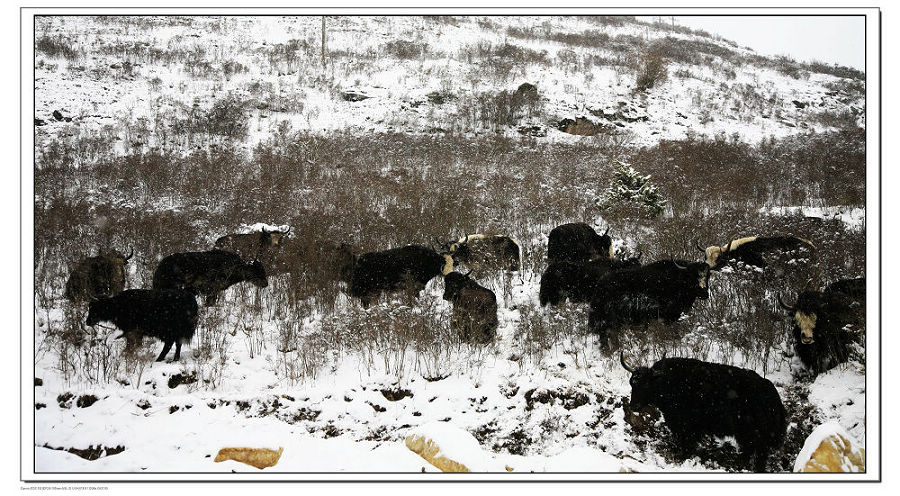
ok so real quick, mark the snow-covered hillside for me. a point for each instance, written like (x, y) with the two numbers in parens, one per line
(130, 76)
(162, 133)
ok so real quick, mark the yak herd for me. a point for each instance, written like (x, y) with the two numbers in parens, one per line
(695, 397)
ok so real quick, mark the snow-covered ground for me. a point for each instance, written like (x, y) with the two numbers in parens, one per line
(496, 408)
(132, 76)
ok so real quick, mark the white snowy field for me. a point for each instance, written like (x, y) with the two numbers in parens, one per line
(135, 115)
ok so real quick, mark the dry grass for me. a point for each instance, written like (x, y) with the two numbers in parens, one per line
(390, 190)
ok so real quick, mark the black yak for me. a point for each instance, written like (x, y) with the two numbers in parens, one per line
(661, 290)
(167, 315)
(750, 250)
(827, 323)
(492, 251)
(96, 277)
(474, 308)
(407, 268)
(699, 398)
(577, 281)
(577, 242)
(207, 273)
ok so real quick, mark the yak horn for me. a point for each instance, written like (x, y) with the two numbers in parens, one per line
(130, 254)
(679, 266)
(625, 365)
(467, 273)
(607, 230)
(784, 305)
(697, 245)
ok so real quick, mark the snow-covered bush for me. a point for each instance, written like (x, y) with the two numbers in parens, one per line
(629, 186)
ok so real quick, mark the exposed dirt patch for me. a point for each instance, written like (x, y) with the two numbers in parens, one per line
(570, 399)
(91, 453)
(86, 400)
(396, 394)
(179, 379)
(65, 400)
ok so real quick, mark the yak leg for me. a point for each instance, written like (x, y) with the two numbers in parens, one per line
(177, 351)
(759, 465)
(167, 345)
(210, 299)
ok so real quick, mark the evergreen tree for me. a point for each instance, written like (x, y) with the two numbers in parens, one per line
(629, 186)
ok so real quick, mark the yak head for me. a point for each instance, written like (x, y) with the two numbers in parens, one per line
(271, 238)
(454, 282)
(459, 249)
(714, 252)
(643, 384)
(255, 273)
(604, 244)
(115, 262)
(453, 252)
(805, 313)
(100, 310)
(699, 272)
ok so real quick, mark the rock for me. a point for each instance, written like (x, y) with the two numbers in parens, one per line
(38, 381)
(527, 91)
(581, 126)
(533, 131)
(431, 452)
(798, 104)
(256, 457)
(39, 122)
(57, 115)
(830, 448)
(352, 96)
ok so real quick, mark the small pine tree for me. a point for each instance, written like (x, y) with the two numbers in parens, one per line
(629, 186)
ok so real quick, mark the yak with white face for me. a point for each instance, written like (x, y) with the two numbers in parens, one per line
(489, 251)
(750, 250)
(408, 268)
(827, 323)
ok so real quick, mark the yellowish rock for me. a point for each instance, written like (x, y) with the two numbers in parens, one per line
(429, 450)
(256, 457)
(836, 454)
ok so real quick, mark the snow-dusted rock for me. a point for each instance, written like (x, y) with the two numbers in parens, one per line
(451, 449)
(830, 448)
(257, 457)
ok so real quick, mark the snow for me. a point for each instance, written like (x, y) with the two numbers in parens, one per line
(95, 94)
(840, 394)
(854, 217)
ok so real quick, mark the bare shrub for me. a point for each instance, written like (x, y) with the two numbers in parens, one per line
(58, 46)
(653, 71)
(403, 49)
